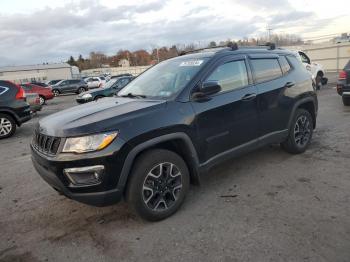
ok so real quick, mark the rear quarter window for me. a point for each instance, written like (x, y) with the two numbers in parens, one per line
(3, 90)
(266, 69)
(284, 65)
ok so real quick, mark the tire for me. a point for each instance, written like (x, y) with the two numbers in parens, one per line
(56, 92)
(346, 101)
(42, 100)
(7, 126)
(303, 125)
(98, 97)
(81, 90)
(156, 195)
(319, 77)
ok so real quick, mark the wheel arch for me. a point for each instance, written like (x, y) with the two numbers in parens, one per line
(179, 143)
(13, 115)
(307, 104)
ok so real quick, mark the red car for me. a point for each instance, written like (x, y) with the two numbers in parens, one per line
(45, 93)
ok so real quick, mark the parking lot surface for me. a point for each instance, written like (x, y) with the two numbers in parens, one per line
(265, 206)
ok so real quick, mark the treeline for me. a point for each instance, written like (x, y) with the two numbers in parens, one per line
(142, 57)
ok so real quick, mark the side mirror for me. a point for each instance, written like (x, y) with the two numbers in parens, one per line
(208, 88)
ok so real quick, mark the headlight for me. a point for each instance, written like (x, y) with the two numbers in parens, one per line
(87, 96)
(89, 143)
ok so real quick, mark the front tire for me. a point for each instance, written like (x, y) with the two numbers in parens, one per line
(98, 97)
(346, 101)
(300, 133)
(7, 126)
(42, 100)
(158, 184)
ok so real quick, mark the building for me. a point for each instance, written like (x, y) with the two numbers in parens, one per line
(124, 63)
(39, 73)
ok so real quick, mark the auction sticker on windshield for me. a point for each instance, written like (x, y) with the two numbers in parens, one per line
(192, 63)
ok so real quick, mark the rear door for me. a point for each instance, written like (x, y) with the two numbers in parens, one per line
(229, 118)
(271, 84)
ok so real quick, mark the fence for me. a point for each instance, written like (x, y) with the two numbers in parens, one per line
(332, 57)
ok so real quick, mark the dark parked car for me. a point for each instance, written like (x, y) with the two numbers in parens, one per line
(69, 86)
(45, 93)
(110, 89)
(14, 111)
(343, 86)
(173, 123)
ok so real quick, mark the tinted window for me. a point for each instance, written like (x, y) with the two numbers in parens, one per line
(230, 76)
(26, 87)
(284, 64)
(3, 90)
(266, 69)
(304, 58)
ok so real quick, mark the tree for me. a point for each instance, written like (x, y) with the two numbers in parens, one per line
(71, 61)
(212, 44)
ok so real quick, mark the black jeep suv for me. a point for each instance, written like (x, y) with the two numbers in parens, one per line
(14, 110)
(174, 122)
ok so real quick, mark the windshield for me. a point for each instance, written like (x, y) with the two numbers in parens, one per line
(110, 83)
(164, 79)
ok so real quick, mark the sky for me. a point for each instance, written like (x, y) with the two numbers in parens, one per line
(37, 31)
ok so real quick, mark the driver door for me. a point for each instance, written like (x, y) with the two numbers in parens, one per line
(227, 120)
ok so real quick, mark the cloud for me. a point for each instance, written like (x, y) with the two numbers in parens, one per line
(53, 34)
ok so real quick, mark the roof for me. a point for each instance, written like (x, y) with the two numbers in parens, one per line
(33, 67)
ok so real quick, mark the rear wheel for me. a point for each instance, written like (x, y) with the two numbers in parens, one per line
(42, 100)
(319, 80)
(300, 133)
(56, 92)
(158, 184)
(81, 90)
(346, 101)
(7, 126)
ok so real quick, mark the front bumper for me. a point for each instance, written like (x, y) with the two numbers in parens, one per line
(51, 169)
(83, 100)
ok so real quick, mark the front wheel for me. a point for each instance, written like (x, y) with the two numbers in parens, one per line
(42, 100)
(158, 184)
(7, 126)
(346, 101)
(300, 133)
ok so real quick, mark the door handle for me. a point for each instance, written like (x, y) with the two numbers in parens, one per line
(289, 84)
(248, 97)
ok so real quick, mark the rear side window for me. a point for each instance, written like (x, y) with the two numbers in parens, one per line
(266, 69)
(284, 65)
(3, 90)
(232, 75)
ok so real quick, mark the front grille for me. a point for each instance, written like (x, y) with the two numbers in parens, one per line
(46, 144)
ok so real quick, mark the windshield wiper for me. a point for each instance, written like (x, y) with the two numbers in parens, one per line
(131, 95)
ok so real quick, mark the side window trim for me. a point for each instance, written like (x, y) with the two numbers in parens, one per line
(5, 89)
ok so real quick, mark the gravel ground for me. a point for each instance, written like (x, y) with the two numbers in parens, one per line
(265, 206)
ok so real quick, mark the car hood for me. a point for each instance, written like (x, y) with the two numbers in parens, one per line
(97, 116)
(96, 91)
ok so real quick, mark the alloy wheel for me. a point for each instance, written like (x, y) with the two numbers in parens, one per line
(42, 100)
(302, 131)
(55, 93)
(162, 187)
(5, 126)
(81, 90)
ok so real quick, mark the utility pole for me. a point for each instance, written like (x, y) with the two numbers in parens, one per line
(269, 30)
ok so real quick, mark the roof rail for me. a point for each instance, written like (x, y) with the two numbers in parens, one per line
(272, 46)
(233, 46)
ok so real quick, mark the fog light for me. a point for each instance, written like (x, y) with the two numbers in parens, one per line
(84, 176)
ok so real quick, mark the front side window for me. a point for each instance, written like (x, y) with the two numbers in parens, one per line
(165, 79)
(231, 75)
(266, 69)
